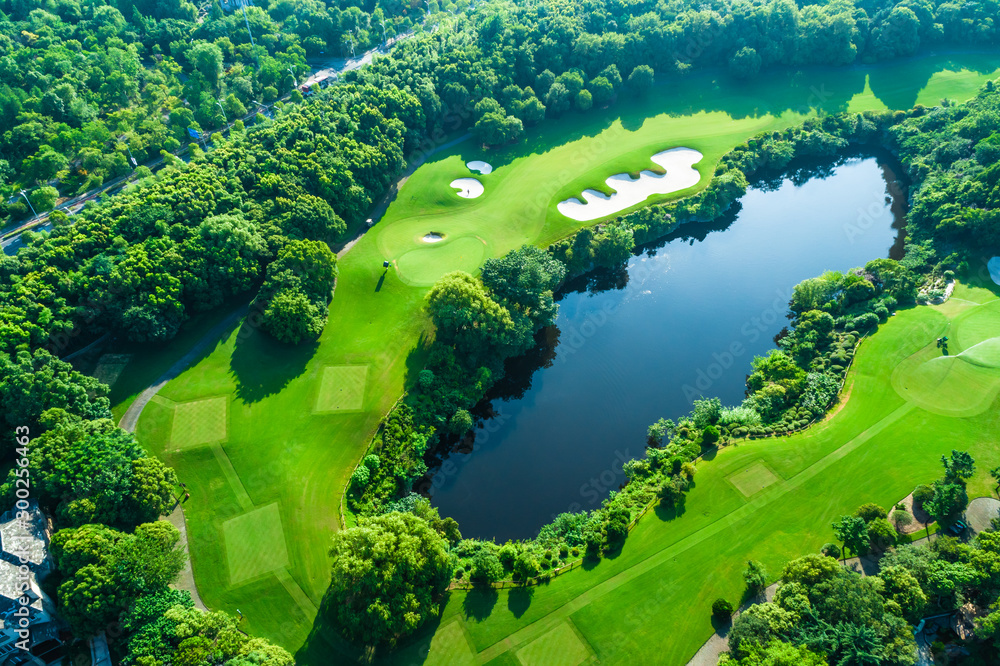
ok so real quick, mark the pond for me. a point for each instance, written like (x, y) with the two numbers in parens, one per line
(682, 320)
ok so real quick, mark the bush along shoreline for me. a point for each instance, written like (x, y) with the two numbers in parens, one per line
(791, 388)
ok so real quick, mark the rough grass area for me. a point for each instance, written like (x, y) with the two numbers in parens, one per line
(255, 544)
(283, 451)
(110, 367)
(342, 388)
(199, 422)
(753, 479)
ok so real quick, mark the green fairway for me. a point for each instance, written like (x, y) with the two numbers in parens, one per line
(255, 544)
(876, 449)
(298, 422)
(199, 422)
(342, 388)
(753, 479)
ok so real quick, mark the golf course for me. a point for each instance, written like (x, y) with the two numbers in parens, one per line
(266, 436)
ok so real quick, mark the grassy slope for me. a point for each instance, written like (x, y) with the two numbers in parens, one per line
(279, 451)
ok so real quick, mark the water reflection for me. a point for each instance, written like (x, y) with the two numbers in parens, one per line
(683, 319)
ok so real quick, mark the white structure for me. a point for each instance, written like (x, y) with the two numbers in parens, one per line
(468, 188)
(480, 166)
(680, 173)
(26, 541)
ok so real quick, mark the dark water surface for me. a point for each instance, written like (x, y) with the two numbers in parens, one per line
(683, 320)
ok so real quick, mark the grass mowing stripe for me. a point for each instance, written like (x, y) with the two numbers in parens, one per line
(295, 590)
(242, 496)
(767, 496)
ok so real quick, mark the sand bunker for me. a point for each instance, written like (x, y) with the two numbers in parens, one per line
(480, 166)
(432, 237)
(468, 188)
(993, 266)
(678, 164)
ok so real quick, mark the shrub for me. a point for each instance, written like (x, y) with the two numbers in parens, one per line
(461, 422)
(866, 322)
(922, 494)
(869, 512)
(901, 519)
(831, 550)
(361, 477)
(722, 609)
(710, 435)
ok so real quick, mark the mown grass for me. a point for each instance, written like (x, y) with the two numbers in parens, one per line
(652, 602)
(279, 449)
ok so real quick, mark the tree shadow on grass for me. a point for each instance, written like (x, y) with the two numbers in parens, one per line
(519, 599)
(262, 366)
(326, 645)
(479, 602)
(667, 512)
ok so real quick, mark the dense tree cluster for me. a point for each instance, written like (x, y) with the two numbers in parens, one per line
(166, 628)
(829, 614)
(199, 234)
(83, 79)
(295, 296)
(90, 471)
(389, 574)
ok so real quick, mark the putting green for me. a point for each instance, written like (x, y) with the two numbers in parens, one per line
(342, 388)
(425, 265)
(559, 647)
(255, 544)
(959, 384)
(283, 451)
(753, 479)
(199, 422)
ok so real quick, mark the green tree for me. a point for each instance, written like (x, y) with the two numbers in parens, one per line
(755, 577)
(640, 81)
(601, 90)
(486, 566)
(958, 468)
(745, 63)
(853, 533)
(388, 575)
(90, 600)
(869, 512)
(291, 317)
(467, 317)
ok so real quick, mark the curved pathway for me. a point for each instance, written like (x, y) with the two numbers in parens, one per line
(131, 416)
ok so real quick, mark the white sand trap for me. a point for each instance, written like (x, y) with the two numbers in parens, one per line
(468, 188)
(480, 166)
(432, 237)
(680, 173)
(993, 266)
